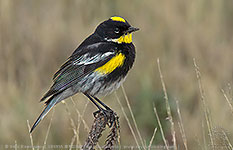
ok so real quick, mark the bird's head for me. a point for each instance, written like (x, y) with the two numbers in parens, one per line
(116, 29)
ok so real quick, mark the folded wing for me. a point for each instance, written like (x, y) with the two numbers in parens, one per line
(79, 65)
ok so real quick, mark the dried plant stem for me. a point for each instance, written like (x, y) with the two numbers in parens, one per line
(152, 139)
(127, 119)
(203, 99)
(114, 135)
(82, 119)
(168, 107)
(47, 134)
(228, 100)
(161, 129)
(95, 133)
(131, 113)
(181, 126)
(29, 128)
(99, 125)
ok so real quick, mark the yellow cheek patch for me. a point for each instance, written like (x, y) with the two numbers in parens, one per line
(112, 64)
(125, 38)
(116, 18)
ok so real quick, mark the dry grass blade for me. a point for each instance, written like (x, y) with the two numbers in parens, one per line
(47, 134)
(221, 140)
(131, 113)
(29, 128)
(15, 145)
(230, 91)
(79, 124)
(127, 119)
(72, 142)
(229, 146)
(152, 139)
(99, 125)
(161, 129)
(203, 99)
(203, 134)
(181, 126)
(167, 107)
(71, 120)
(80, 115)
(228, 100)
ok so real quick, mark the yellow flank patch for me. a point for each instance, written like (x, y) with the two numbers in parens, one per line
(112, 64)
(116, 18)
(125, 38)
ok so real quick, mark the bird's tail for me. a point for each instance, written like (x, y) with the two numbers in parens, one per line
(51, 103)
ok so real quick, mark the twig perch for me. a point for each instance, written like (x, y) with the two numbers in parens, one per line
(109, 118)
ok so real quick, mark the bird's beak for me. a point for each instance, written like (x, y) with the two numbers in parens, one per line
(132, 29)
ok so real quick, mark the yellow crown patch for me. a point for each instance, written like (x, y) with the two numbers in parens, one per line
(116, 18)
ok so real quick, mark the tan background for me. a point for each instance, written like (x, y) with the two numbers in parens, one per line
(36, 37)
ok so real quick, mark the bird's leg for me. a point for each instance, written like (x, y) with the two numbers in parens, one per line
(98, 106)
(99, 101)
(94, 102)
(109, 111)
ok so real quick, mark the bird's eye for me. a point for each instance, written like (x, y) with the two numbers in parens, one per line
(117, 30)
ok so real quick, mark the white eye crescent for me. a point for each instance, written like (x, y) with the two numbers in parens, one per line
(117, 30)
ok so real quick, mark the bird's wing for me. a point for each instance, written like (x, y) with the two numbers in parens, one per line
(79, 65)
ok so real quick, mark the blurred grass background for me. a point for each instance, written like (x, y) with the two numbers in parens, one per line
(36, 37)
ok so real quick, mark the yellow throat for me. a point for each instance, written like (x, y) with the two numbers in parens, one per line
(126, 38)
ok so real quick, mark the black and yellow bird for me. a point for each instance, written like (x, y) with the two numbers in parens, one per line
(97, 67)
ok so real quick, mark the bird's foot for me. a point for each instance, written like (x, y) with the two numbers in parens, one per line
(108, 114)
(96, 113)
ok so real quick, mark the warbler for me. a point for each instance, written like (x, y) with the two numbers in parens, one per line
(98, 65)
